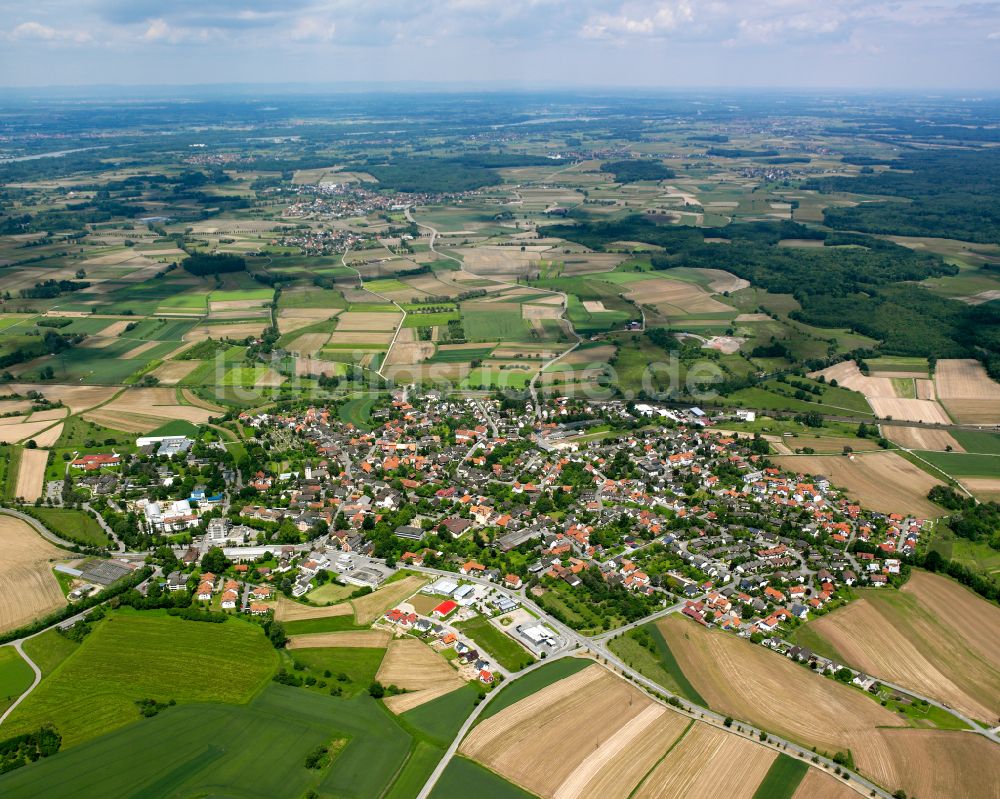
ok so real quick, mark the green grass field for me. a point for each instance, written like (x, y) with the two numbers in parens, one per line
(358, 664)
(358, 411)
(672, 667)
(211, 750)
(15, 676)
(508, 653)
(533, 682)
(430, 319)
(330, 624)
(49, 649)
(461, 356)
(984, 443)
(964, 464)
(73, 525)
(466, 778)
(782, 779)
(483, 323)
(139, 655)
(440, 719)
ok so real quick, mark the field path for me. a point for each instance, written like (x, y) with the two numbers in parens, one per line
(533, 385)
(395, 335)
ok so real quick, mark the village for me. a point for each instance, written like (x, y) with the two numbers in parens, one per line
(513, 518)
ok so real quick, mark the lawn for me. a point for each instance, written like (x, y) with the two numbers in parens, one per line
(15, 676)
(782, 779)
(466, 778)
(507, 652)
(49, 649)
(139, 655)
(245, 375)
(531, 683)
(73, 525)
(255, 750)
(330, 593)
(358, 664)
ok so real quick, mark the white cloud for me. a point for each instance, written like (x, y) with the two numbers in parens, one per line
(313, 29)
(37, 31)
(633, 20)
(157, 31)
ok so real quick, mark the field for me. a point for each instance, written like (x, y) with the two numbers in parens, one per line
(929, 763)
(49, 649)
(933, 636)
(708, 763)
(413, 665)
(889, 395)
(589, 716)
(31, 474)
(132, 656)
(73, 525)
(661, 667)
(289, 610)
(882, 481)
(352, 667)
(525, 686)
(772, 692)
(16, 676)
(464, 777)
(508, 653)
(783, 778)
(967, 392)
(255, 750)
(373, 605)
(923, 438)
(377, 639)
(28, 588)
(817, 785)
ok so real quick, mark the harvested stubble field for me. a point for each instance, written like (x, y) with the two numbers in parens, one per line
(882, 481)
(413, 665)
(50, 415)
(288, 610)
(770, 691)
(572, 720)
(922, 438)
(21, 431)
(674, 296)
(375, 639)
(76, 398)
(234, 330)
(883, 395)
(160, 402)
(31, 474)
(366, 320)
(615, 769)
(373, 605)
(930, 763)
(28, 588)
(967, 392)
(708, 763)
(985, 488)
(369, 338)
(817, 785)
(170, 373)
(49, 436)
(933, 636)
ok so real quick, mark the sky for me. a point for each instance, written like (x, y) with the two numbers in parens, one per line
(669, 44)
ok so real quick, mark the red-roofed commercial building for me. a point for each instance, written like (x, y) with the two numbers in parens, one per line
(446, 608)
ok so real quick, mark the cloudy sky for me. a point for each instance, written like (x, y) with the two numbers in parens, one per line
(923, 44)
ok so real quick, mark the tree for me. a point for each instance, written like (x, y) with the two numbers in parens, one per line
(215, 561)
(728, 722)
(376, 690)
